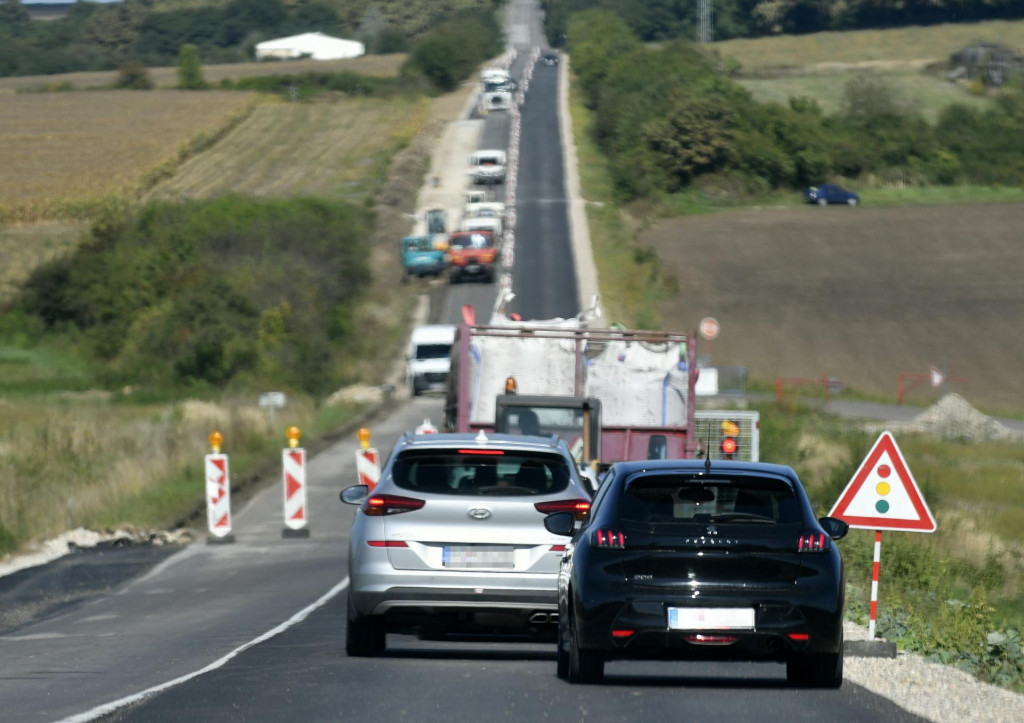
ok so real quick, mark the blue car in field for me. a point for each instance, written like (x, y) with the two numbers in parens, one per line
(830, 193)
(421, 257)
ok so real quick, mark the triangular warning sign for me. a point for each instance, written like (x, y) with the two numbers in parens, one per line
(882, 495)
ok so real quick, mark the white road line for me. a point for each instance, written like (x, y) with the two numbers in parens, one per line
(298, 617)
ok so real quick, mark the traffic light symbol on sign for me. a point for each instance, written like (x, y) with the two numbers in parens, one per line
(883, 488)
(728, 440)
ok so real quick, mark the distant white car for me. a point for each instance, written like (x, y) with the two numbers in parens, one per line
(488, 166)
(495, 100)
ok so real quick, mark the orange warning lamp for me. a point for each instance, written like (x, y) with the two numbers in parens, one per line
(216, 440)
(294, 435)
(363, 435)
(510, 386)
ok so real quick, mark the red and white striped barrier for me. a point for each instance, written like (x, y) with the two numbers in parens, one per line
(368, 467)
(218, 493)
(874, 584)
(296, 520)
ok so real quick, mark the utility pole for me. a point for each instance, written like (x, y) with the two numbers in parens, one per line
(705, 22)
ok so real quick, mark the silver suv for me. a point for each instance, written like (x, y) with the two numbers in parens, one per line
(452, 538)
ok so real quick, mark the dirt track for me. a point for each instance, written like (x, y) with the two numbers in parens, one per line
(862, 294)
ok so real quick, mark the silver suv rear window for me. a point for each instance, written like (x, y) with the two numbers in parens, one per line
(484, 472)
(679, 499)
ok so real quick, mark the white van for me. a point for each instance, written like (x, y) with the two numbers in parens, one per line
(429, 358)
(484, 208)
(487, 166)
(482, 223)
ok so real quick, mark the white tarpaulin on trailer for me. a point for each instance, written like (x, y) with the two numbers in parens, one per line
(639, 384)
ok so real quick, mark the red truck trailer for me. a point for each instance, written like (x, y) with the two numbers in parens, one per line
(643, 380)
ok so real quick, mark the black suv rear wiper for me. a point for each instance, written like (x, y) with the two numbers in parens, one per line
(742, 517)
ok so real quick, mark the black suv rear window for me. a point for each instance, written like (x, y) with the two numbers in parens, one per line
(488, 472)
(678, 499)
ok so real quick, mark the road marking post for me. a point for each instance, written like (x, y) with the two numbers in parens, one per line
(293, 468)
(367, 460)
(218, 493)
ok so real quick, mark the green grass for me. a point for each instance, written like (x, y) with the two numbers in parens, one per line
(888, 47)
(921, 93)
(32, 370)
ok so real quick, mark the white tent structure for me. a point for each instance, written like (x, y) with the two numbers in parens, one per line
(309, 45)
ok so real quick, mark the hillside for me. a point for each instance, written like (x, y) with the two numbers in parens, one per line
(863, 294)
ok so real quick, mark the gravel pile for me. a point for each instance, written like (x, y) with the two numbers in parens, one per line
(953, 418)
(937, 692)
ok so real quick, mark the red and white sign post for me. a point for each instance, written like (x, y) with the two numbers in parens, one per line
(293, 465)
(882, 495)
(218, 493)
(367, 460)
(709, 328)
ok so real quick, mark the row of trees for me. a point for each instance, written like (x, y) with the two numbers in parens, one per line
(97, 36)
(668, 119)
(667, 19)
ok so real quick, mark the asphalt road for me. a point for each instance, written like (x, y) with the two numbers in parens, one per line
(254, 630)
(543, 277)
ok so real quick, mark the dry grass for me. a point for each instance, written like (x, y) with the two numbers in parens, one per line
(379, 65)
(910, 60)
(120, 463)
(63, 149)
(898, 48)
(329, 149)
(56, 465)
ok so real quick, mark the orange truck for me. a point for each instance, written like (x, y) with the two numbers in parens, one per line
(472, 255)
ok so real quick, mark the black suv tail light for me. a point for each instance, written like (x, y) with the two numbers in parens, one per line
(814, 542)
(380, 505)
(608, 539)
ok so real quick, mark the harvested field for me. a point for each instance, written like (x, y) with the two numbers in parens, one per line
(333, 149)
(63, 148)
(862, 294)
(875, 49)
(380, 65)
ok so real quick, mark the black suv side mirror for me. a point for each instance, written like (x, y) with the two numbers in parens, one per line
(834, 527)
(560, 523)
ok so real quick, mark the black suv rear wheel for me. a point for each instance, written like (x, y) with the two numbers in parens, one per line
(824, 670)
(364, 637)
(585, 665)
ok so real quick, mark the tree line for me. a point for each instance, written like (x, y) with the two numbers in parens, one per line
(668, 119)
(653, 20)
(97, 36)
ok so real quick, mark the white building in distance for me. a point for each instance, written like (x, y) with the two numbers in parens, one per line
(309, 45)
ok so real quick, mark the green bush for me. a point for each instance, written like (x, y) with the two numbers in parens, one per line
(452, 50)
(209, 291)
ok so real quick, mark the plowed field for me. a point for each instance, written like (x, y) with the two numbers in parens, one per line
(863, 294)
